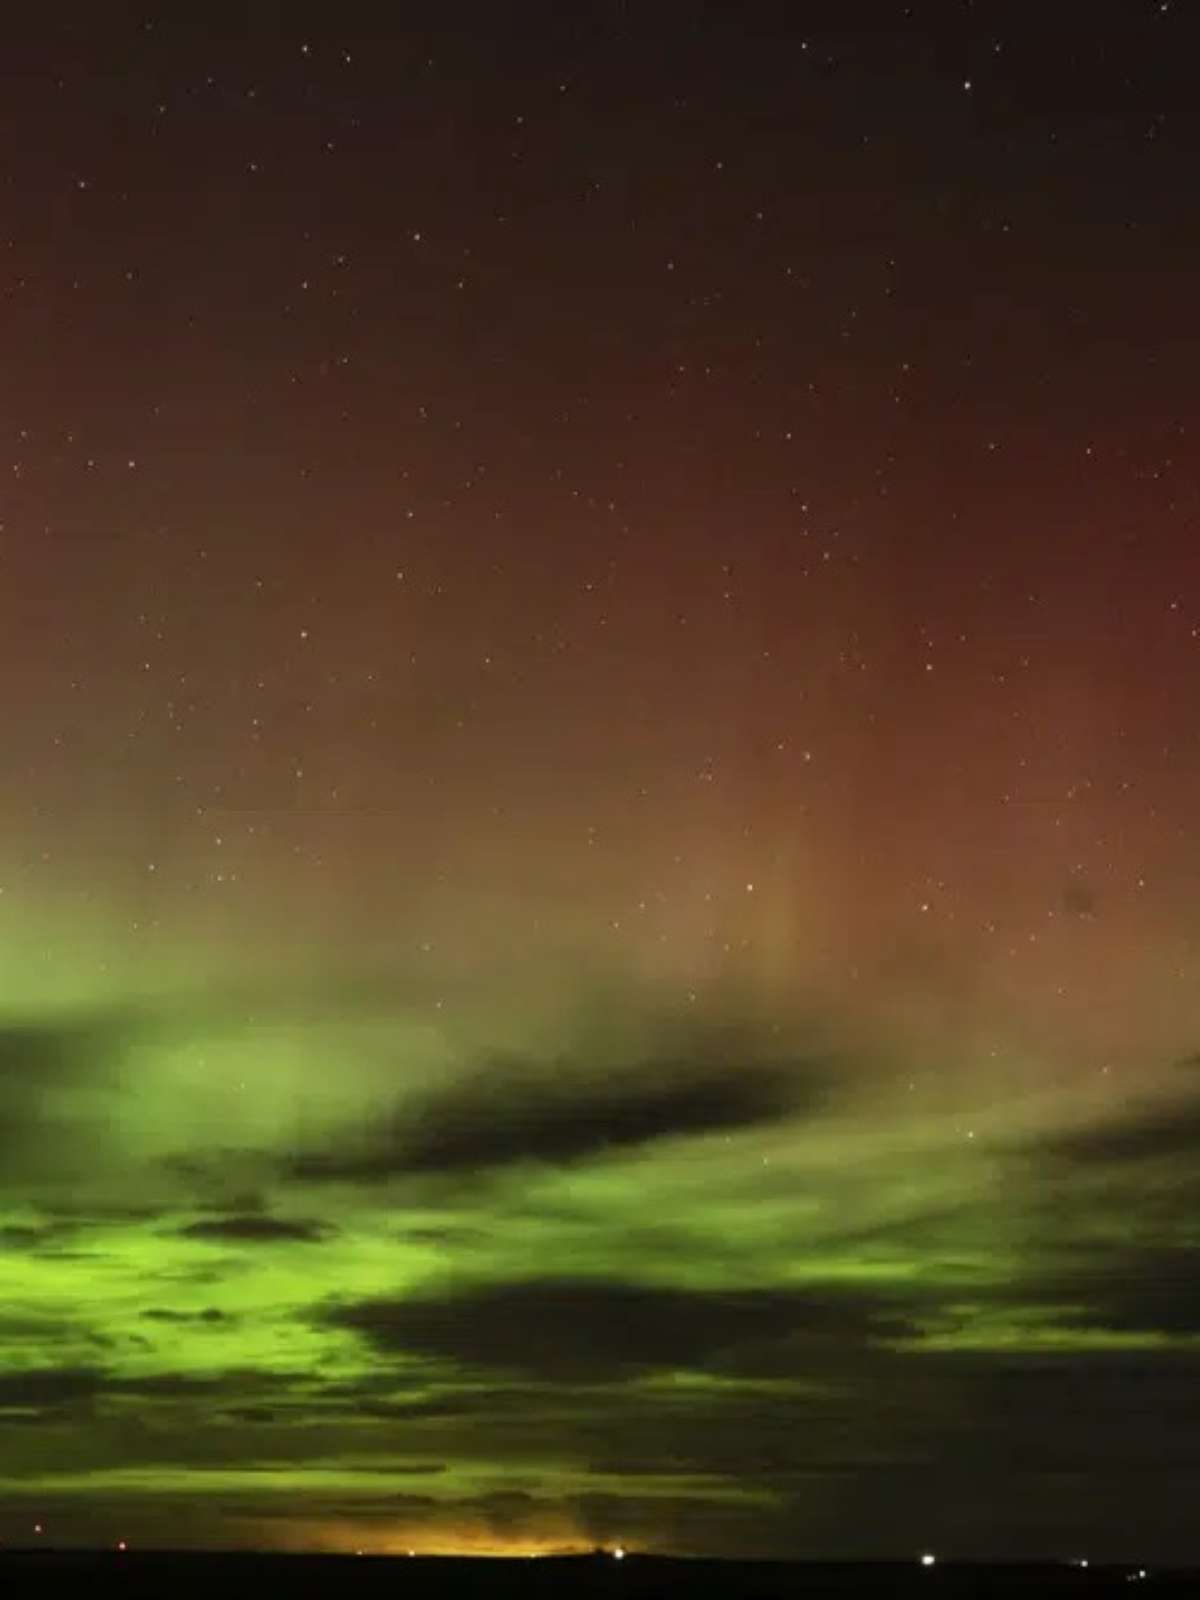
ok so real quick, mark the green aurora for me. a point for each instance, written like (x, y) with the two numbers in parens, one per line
(599, 776)
(288, 1262)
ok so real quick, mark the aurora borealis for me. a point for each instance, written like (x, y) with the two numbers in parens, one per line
(600, 779)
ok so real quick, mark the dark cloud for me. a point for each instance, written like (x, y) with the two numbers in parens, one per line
(170, 1385)
(41, 1061)
(100, 1214)
(27, 1325)
(512, 1113)
(36, 1051)
(232, 1172)
(584, 1330)
(30, 1236)
(1170, 1133)
(445, 1235)
(210, 1314)
(254, 1229)
(384, 1508)
(1150, 1290)
(50, 1387)
(376, 1395)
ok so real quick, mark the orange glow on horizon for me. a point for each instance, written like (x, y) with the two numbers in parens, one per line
(369, 1539)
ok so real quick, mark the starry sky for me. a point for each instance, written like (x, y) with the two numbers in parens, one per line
(599, 620)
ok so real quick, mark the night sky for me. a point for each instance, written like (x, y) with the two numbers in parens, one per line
(599, 870)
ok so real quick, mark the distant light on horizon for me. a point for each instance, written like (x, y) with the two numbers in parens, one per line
(928, 1560)
(619, 1553)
